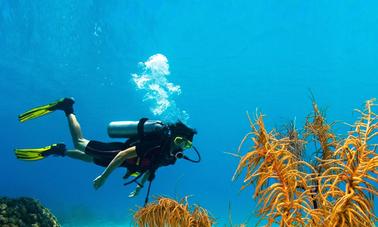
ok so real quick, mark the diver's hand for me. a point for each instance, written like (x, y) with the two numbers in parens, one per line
(135, 192)
(98, 182)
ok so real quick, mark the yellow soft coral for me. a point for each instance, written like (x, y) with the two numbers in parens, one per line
(283, 190)
(335, 189)
(354, 187)
(171, 213)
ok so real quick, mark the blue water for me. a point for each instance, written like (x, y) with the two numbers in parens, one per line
(228, 57)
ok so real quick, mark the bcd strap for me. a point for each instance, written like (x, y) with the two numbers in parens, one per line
(141, 127)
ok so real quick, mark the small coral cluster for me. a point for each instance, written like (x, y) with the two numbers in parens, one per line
(24, 212)
(336, 188)
(168, 212)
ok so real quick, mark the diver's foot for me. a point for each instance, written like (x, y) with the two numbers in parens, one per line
(65, 104)
(33, 154)
(58, 149)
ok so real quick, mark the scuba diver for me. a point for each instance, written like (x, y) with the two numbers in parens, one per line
(149, 145)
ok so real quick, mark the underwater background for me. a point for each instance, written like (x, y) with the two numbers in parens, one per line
(215, 60)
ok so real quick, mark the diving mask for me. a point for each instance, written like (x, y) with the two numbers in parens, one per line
(183, 143)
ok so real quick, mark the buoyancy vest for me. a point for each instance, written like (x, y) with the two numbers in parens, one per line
(152, 147)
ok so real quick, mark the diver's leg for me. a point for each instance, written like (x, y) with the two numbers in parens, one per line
(77, 136)
(76, 154)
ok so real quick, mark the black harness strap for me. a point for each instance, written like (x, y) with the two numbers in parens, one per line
(141, 128)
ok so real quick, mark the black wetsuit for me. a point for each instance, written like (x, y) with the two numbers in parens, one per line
(151, 154)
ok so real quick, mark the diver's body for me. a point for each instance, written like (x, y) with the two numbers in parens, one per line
(142, 154)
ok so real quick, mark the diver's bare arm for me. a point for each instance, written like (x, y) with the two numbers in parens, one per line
(118, 160)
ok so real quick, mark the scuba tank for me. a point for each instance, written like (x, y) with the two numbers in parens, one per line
(129, 129)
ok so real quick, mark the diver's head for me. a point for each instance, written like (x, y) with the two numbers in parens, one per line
(181, 138)
(179, 129)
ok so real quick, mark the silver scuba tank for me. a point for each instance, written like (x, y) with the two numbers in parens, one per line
(128, 129)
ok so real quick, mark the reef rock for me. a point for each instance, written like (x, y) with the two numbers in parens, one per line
(25, 212)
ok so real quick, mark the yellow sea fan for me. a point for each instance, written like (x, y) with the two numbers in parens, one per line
(166, 212)
(350, 193)
(338, 191)
(283, 191)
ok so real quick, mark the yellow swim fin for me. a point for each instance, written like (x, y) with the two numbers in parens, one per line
(34, 154)
(64, 104)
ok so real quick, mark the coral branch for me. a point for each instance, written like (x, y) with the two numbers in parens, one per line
(339, 190)
(169, 212)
